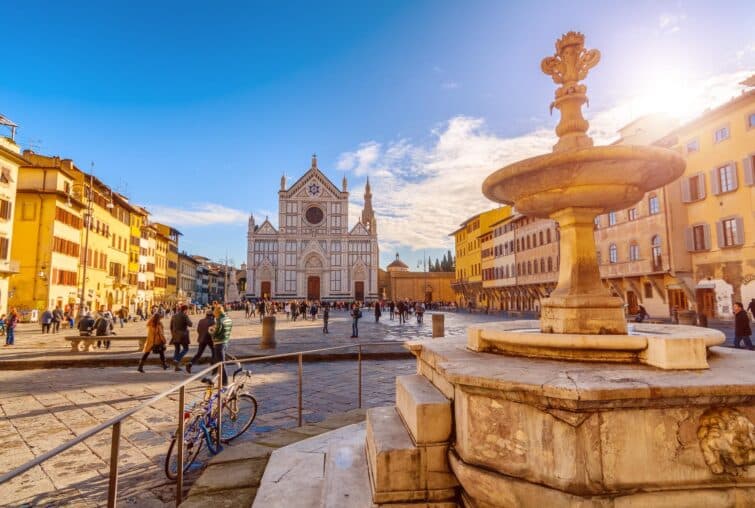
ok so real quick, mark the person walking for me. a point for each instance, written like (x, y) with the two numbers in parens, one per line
(751, 307)
(742, 330)
(392, 308)
(378, 312)
(356, 313)
(325, 317)
(261, 309)
(204, 339)
(123, 315)
(155, 342)
(46, 320)
(179, 335)
(10, 327)
(313, 311)
(57, 318)
(220, 338)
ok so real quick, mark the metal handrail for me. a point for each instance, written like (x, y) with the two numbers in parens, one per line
(115, 422)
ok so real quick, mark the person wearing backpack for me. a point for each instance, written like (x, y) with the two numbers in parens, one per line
(325, 317)
(356, 313)
(102, 328)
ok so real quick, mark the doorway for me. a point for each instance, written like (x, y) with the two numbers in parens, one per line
(706, 302)
(265, 289)
(632, 303)
(313, 288)
(359, 291)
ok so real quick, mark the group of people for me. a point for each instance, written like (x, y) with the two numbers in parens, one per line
(213, 333)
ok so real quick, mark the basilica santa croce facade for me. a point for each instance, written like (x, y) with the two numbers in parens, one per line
(312, 254)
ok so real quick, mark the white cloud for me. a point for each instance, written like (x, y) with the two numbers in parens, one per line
(421, 192)
(671, 22)
(199, 214)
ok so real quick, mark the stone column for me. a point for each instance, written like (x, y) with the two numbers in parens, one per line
(268, 333)
(580, 303)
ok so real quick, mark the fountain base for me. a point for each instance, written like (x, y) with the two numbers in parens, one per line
(540, 432)
(669, 347)
(599, 315)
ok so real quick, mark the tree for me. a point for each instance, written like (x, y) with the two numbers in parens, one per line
(437, 266)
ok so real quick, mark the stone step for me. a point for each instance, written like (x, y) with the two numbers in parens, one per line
(425, 410)
(401, 471)
(347, 481)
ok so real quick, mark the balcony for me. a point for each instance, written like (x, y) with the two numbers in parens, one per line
(8, 267)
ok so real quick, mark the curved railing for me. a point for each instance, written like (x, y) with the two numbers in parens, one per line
(115, 422)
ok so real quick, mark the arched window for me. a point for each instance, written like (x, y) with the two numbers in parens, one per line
(542, 265)
(541, 237)
(548, 235)
(529, 267)
(634, 251)
(550, 264)
(528, 241)
(654, 205)
(535, 267)
(656, 252)
(613, 253)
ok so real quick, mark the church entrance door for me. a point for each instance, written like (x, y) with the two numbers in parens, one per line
(313, 288)
(265, 289)
(359, 291)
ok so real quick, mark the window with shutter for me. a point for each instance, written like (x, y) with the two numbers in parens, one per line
(731, 232)
(687, 190)
(715, 186)
(740, 231)
(748, 165)
(689, 240)
(701, 185)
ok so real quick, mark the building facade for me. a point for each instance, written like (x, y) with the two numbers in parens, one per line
(397, 282)
(187, 278)
(48, 228)
(718, 198)
(168, 249)
(467, 240)
(10, 160)
(313, 255)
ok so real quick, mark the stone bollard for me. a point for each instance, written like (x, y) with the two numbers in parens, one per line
(268, 332)
(438, 325)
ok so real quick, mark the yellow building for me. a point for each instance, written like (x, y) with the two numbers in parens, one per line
(10, 160)
(48, 230)
(468, 282)
(718, 196)
(105, 246)
(138, 218)
(396, 282)
(161, 267)
(168, 238)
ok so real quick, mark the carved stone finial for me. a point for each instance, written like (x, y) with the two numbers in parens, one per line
(727, 440)
(567, 68)
(314, 160)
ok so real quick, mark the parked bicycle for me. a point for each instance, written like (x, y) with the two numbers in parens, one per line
(201, 420)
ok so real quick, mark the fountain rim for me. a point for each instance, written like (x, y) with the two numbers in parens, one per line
(664, 157)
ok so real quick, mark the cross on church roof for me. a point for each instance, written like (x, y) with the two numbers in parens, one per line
(314, 160)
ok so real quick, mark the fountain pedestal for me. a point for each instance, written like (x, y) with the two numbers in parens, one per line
(538, 432)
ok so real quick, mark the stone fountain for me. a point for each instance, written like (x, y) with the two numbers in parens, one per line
(575, 409)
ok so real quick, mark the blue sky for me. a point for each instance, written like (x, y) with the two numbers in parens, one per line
(195, 109)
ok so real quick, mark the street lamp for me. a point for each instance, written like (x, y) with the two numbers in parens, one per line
(87, 222)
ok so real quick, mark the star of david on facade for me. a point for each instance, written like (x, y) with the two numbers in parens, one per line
(314, 189)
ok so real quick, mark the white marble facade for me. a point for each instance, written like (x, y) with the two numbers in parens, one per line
(313, 255)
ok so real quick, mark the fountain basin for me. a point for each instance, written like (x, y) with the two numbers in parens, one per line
(669, 347)
(600, 178)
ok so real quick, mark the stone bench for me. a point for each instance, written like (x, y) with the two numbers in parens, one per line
(88, 341)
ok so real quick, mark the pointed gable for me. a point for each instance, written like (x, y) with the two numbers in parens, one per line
(313, 177)
(359, 230)
(266, 228)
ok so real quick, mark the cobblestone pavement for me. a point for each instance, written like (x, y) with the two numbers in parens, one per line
(32, 347)
(41, 409)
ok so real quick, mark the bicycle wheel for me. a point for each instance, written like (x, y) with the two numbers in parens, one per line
(238, 415)
(192, 445)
